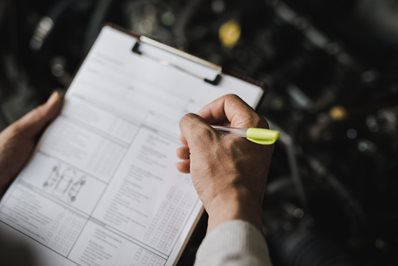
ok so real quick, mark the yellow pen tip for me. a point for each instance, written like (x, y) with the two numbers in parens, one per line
(262, 136)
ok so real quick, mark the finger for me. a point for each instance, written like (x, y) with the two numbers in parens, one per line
(230, 108)
(196, 131)
(34, 122)
(183, 166)
(183, 152)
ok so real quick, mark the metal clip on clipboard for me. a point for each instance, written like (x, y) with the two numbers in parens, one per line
(143, 39)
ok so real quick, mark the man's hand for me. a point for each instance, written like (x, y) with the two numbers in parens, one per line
(229, 173)
(18, 140)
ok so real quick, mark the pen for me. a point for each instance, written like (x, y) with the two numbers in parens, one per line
(261, 136)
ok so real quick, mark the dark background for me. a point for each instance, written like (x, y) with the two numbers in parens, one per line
(331, 66)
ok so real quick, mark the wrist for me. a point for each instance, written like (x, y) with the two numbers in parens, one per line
(234, 204)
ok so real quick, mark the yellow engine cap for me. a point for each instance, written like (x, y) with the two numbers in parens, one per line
(229, 33)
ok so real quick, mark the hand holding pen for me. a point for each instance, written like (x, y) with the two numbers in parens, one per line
(229, 173)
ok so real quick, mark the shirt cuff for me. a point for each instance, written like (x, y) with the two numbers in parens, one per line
(233, 243)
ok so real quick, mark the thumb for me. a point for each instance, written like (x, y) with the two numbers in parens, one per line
(34, 122)
(196, 131)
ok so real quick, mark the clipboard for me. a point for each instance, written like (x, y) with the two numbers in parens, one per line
(204, 72)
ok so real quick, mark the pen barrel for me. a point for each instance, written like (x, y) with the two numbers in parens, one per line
(241, 132)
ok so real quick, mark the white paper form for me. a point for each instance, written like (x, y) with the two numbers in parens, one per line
(102, 187)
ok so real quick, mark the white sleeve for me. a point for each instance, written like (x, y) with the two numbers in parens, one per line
(233, 243)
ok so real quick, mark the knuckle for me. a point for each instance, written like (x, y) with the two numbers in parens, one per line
(233, 97)
(190, 124)
(185, 120)
(263, 122)
(258, 121)
(195, 128)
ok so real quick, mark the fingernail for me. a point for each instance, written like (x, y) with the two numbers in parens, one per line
(61, 92)
(53, 98)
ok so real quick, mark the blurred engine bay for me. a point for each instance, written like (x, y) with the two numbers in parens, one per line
(331, 68)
